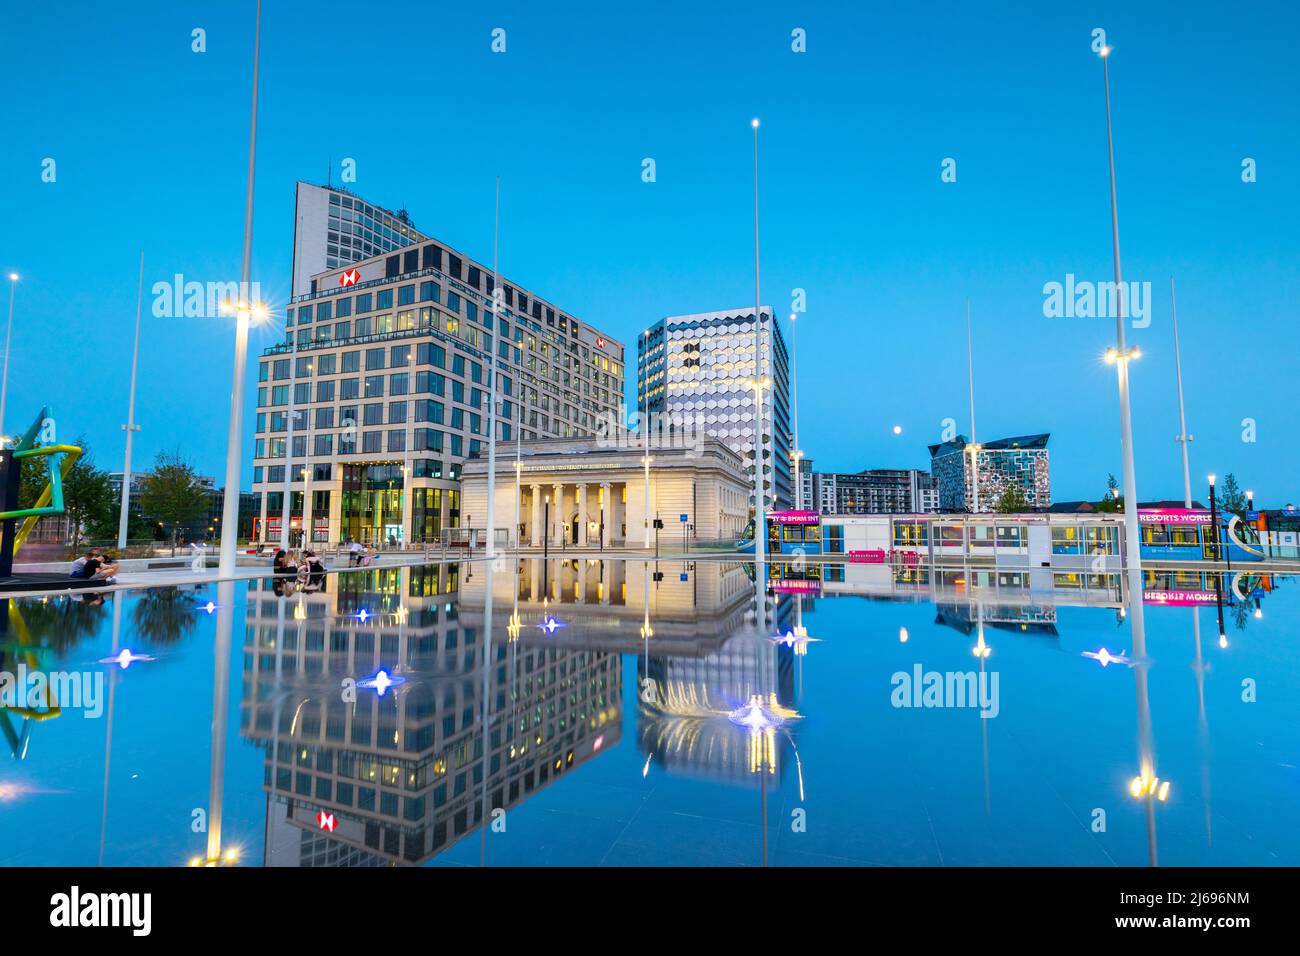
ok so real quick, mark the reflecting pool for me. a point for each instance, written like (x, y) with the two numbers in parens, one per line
(612, 712)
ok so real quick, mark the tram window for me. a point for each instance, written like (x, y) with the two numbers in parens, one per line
(1184, 536)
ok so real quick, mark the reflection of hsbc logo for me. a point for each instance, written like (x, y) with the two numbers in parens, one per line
(325, 821)
(600, 343)
(350, 277)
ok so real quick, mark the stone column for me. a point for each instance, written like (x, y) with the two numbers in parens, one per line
(582, 514)
(606, 512)
(557, 515)
(534, 527)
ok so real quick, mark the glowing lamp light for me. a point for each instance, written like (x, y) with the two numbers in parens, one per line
(381, 682)
(1149, 786)
(1223, 641)
(550, 625)
(209, 607)
(898, 429)
(363, 615)
(125, 658)
(981, 649)
(902, 635)
(1105, 658)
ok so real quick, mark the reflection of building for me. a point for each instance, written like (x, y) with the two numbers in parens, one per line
(582, 490)
(998, 464)
(871, 492)
(697, 369)
(682, 718)
(402, 776)
(388, 388)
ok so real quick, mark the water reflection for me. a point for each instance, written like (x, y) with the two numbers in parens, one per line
(381, 716)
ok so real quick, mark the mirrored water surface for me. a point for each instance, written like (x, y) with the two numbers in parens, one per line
(611, 712)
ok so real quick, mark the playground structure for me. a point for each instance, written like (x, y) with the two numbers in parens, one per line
(37, 442)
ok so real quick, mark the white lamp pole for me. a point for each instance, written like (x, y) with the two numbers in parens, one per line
(4, 383)
(1183, 437)
(492, 384)
(794, 409)
(235, 435)
(288, 441)
(130, 427)
(1131, 533)
(760, 521)
(974, 445)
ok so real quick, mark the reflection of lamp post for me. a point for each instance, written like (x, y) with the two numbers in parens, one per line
(546, 526)
(1214, 522)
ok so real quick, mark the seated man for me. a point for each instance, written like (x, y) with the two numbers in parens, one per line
(80, 563)
(98, 567)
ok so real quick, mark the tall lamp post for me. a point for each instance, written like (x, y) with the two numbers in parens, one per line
(243, 314)
(9, 331)
(1183, 437)
(974, 445)
(1121, 355)
(492, 382)
(797, 454)
(760, 520)
(130, 427)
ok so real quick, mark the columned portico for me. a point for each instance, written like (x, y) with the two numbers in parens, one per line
(705, 482)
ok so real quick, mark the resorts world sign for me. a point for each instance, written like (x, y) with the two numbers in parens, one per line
(1173, 516)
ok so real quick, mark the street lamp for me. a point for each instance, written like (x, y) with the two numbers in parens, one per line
(235, 435)
(797, 454)
(1120, 355)
(760, 522)
(974, 448)
(9, 331)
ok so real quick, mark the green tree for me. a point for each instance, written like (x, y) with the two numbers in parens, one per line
(1012, 500)
(1231, 498)
(172, 494)
(1112, 500)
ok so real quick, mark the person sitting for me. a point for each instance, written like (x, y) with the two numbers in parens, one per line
(281, 564)
(80, 563)
(99, 567)
(355, 550)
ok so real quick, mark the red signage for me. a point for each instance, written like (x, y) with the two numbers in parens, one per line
(600, 342)
(325, 821)
(349, 278)
(867, 557)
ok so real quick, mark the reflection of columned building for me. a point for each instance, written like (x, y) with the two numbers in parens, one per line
(589, 491)
(399, 777)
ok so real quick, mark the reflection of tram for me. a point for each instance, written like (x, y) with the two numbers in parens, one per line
(1189, 588)
(1186, 534)
(788, 532)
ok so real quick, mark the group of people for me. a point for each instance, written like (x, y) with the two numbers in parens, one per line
(360, 556)
(305, 566)
(95, 565)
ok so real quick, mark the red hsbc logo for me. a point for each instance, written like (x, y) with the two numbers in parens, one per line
(350, 277)
(325, 821)
(600, 343)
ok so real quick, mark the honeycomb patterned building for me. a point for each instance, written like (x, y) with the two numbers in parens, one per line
(698, 369)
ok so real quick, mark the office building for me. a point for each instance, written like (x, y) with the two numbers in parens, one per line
(384, 369)
(991, 467)
(874, 491)
(696, 371)
(333, 227)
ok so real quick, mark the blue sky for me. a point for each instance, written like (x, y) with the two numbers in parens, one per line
(150, 141)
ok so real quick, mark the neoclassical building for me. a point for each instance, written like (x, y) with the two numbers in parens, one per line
(592, 491)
